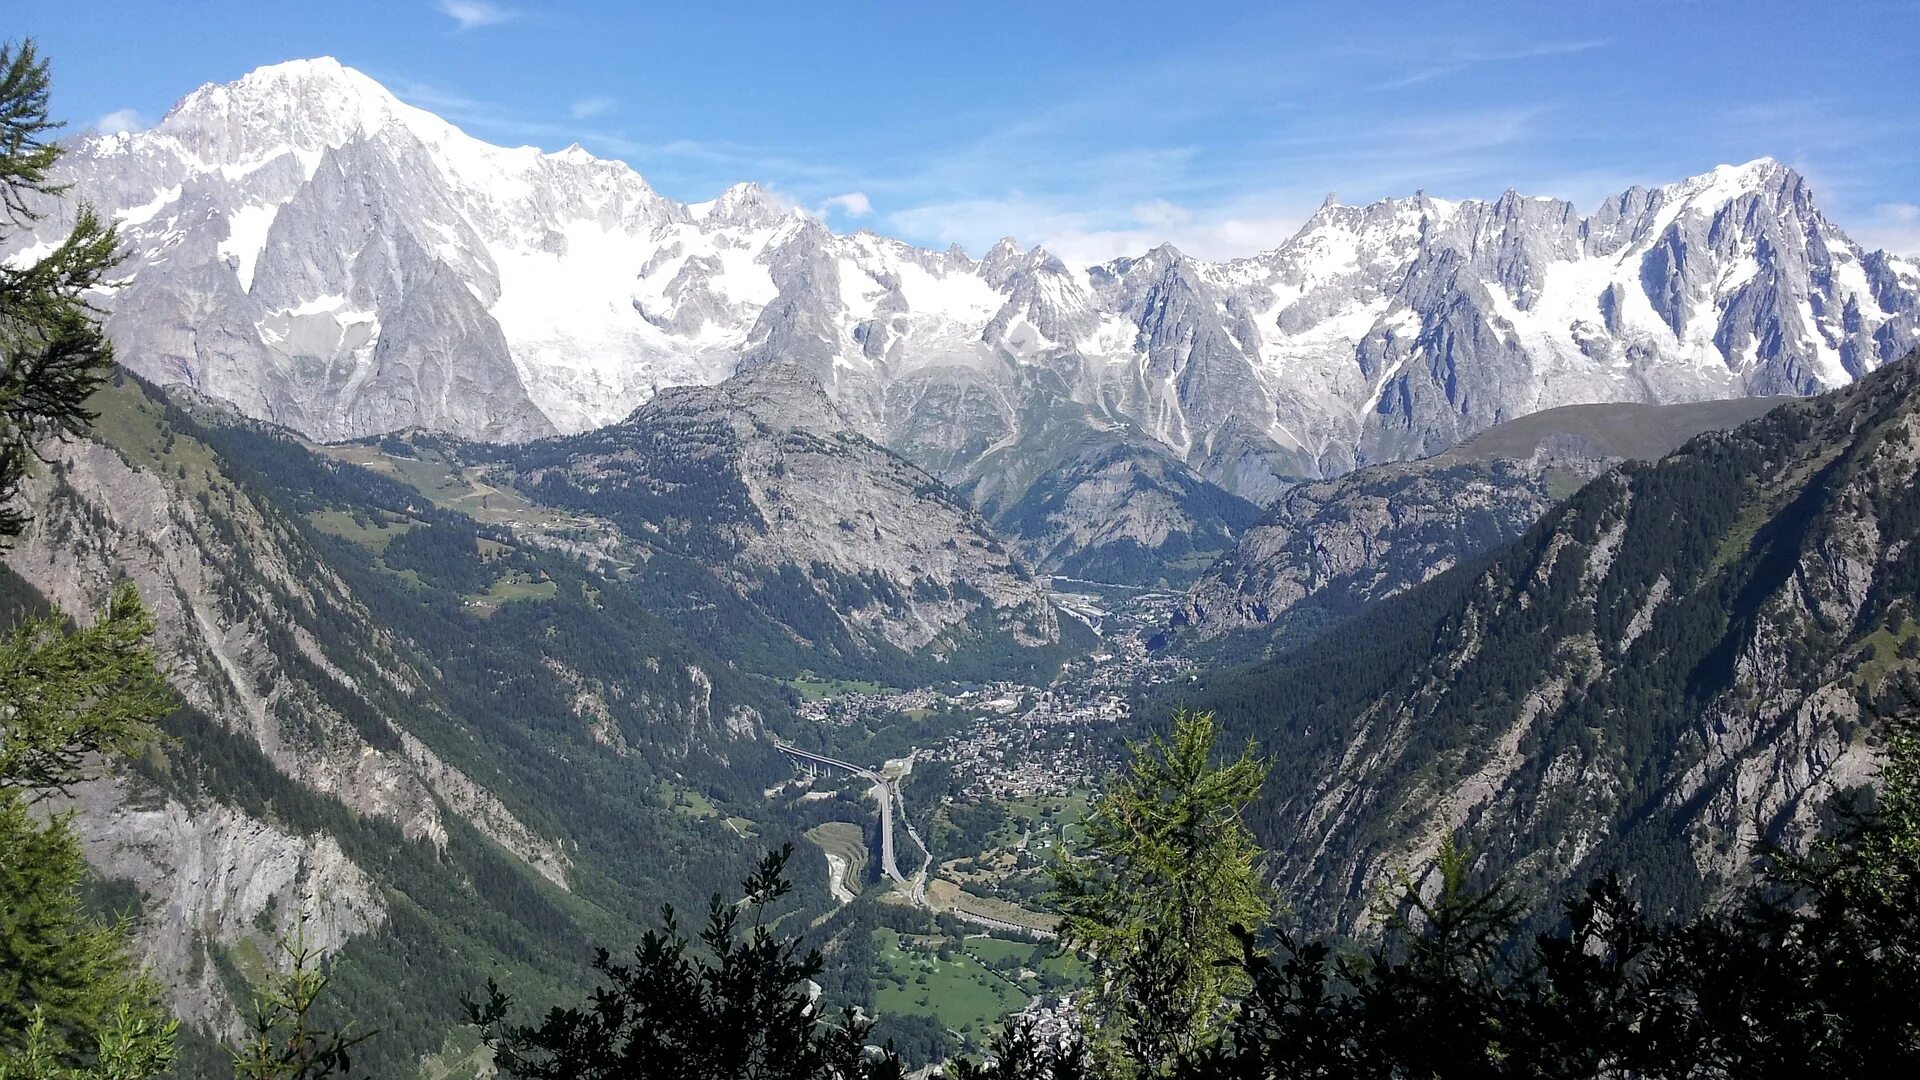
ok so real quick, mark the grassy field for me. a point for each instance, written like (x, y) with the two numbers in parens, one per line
(136, 426)
(452, 486)
(510, 587)
(1046, 819)
(684, 801)
(1063, 967)
(374, 537)
(961, 993)
(1887, 643)
(846, 840)
(813, 688)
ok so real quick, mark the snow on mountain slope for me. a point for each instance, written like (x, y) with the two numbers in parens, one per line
(327, 257)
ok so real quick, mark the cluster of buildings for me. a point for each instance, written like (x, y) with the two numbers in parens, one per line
(1025, 741)
(1043, 750)
(1056, 1022)
(853, 707)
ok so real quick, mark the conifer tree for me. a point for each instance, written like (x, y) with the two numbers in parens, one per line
(746, 1010)
(73, 1002)
(1167, 870)
(53, 355)
(283, 1040)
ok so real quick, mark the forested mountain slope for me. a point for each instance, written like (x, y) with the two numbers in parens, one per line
(1665, 670)
(460, 753)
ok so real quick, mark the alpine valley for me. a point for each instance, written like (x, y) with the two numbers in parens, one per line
(529, 549)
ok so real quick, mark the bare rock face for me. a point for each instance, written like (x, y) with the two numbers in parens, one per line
(211, 876)
(765, 476)
(1327, 549)
(324, 256)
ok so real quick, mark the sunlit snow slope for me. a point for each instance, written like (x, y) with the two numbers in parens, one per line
(327, 257)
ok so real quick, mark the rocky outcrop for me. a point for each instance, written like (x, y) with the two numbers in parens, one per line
(1345, 543)
(212, 878)
(1327, 549)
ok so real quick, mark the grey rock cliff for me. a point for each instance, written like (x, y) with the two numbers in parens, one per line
(1328, 548)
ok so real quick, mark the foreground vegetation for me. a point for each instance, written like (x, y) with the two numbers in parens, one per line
(1807, 971)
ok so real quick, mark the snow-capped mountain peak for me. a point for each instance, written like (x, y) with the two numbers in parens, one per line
(326, 256)
(748, 205)
(301, 105)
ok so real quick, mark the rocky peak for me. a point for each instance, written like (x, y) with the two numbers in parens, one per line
(1001, 262)
(302, 105)
(777, 396)
(748, 205)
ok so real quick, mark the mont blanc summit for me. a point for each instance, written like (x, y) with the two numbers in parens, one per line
(326, 257)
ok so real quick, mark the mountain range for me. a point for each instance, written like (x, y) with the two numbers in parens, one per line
(495, 510)
(1328, 549)
(1679, 662)
(327, 258)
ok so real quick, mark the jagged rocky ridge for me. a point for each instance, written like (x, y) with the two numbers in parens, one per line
(1666, 669)
(1329, 548)
(328, 258)
(763, 480)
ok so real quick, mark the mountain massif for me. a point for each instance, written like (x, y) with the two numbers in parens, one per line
(496, 511)
(330, 259)
(1672, 666)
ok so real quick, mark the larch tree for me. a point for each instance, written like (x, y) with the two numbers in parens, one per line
(1167, 871)
(73, 1001)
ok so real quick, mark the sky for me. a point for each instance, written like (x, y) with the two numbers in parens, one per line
(1098, 129)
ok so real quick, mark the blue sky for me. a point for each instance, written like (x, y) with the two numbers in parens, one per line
(1097, 128)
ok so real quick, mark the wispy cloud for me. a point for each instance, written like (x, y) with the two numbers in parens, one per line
(489, 120)
(1891, 227)
(1041, 185)
(121, 120)
(1428, 68)
(1088, 234)
(473, 14)
(853, 204)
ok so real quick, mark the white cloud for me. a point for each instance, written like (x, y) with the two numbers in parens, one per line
(1891, 227)
(1085, 234)
(587, 108)
(852, 204)
(473, 14)
(120, 120)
